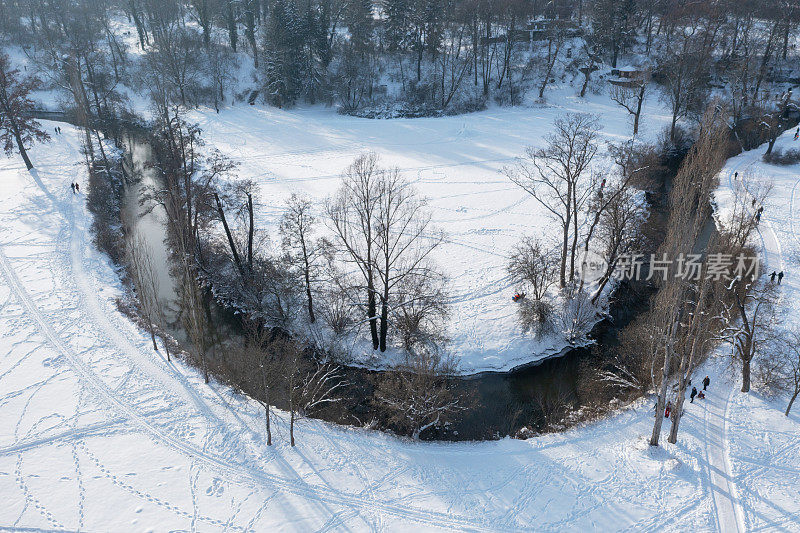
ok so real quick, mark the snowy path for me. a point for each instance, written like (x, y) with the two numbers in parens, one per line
(723, 489)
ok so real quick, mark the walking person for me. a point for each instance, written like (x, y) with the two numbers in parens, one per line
(72, 185)
(77, 187)
(694, 393)
(780, 277)
(772, 277)
(706, 382)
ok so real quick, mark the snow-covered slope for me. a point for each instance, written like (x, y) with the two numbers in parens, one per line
(456, 162)
(100, 433)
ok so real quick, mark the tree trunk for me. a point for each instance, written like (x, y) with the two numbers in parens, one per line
(562, 275)
(166, 344)
(230, 21)
(672, 127)
(638, 110)
(746, 375)
(266, 405)
(661, 404)
(291, 426)
(22, 151)
(311, 316)
(585, 85)
(250, 32)
(384, 322)
(250, 231)
(662, 393)
(237, 260)
(372, 309)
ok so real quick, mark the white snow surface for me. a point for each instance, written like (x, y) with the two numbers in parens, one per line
(764, 450)
(100, 433)
(456, 163)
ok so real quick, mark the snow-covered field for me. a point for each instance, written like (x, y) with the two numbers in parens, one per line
(99, 433)
(456, 163)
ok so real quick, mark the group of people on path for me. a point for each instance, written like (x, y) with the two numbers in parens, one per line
(58, 130)
(779, 276)
(694, 394)
(701, 394)
(75, 187)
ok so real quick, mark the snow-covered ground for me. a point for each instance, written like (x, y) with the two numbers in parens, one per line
(99, 433)
(456, 163)
(765, 448)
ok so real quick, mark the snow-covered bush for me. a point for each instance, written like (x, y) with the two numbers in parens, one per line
(576, 316)
(783, 158)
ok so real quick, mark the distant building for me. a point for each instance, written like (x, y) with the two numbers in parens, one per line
(629, 76)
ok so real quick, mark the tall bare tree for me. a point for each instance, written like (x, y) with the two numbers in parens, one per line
(630, 99)
(353, 215)
(383, 228)
(16, 125)
(405, 241)
(689, 204)
(303, 248)
(558, 177)
(145, 279)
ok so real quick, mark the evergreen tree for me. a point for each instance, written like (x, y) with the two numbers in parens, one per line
(286, 60)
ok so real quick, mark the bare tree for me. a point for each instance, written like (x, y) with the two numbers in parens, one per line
(790, 355)
(16, 124)
(557, 177)
(684, 71)
(618, 232)
(309, 386)
(576, 315)
(588, 64)
(416, 395)
(750, 318)
(689, 207)
(631, 99)
(556, 37)
(534, 266)
(421, 310)
(383, 229)
(353, 216)
(145, 280)
(404, 242)
(257, 369)
(303, 250)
